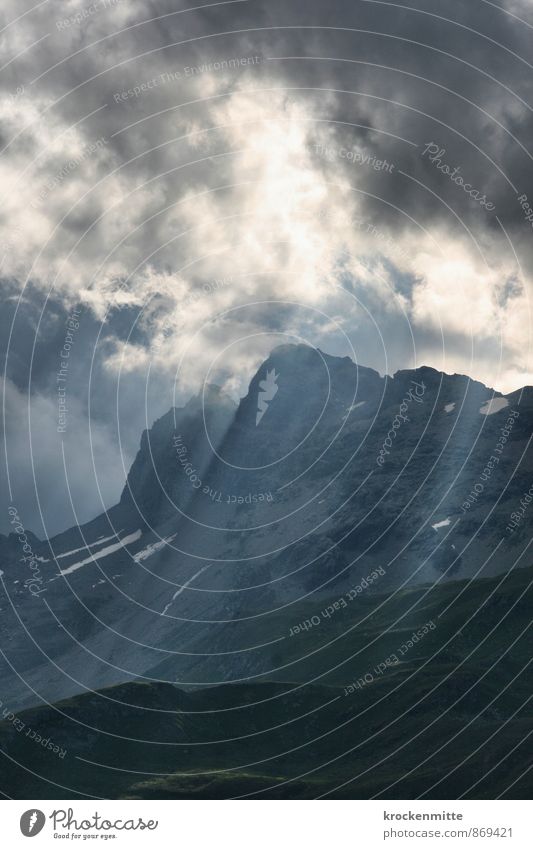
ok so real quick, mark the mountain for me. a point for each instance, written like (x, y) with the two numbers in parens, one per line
(233, 517)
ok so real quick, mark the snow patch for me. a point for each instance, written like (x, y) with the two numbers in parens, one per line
(184, 587)
(493, 406)
(352, 407)
(89, 545)
(442, 524)
(152, 548)
(104, 552)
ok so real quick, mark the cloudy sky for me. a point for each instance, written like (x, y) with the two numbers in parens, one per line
(184, 187)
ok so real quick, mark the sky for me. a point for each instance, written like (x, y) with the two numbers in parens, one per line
(185, 187)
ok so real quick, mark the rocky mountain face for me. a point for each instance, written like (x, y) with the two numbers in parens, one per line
(232, 516)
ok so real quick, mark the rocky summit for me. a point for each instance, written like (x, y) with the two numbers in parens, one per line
(240, 522)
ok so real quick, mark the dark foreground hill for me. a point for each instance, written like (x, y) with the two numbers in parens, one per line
(427, 694)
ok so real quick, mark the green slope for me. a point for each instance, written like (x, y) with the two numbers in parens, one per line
(449, 716)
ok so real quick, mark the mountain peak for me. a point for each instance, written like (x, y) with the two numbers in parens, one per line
(210, 394)
(300, 355)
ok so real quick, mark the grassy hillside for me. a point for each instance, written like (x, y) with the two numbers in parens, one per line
(448, 716)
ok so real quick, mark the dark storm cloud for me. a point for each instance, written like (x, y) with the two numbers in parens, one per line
(380, 81)
(38, 334)
(461, 83)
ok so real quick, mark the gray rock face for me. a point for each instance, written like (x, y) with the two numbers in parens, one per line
(233, 515)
